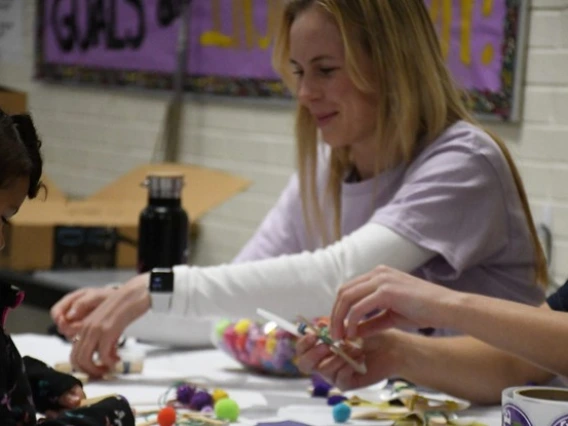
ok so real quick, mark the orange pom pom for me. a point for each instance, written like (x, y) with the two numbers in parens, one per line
(167, 416)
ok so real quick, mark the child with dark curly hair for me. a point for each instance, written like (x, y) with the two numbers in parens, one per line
(28, 386)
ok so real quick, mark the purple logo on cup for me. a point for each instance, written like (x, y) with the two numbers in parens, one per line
(562, 421)
(514, 416)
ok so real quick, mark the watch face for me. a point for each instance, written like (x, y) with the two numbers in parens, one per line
(161, 282)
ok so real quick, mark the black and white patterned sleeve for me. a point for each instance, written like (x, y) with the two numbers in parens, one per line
(113, 411)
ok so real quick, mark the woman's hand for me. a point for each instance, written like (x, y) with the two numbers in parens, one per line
(69, 312)
(379, 353)
(101, 329)
(69, 400)
(402, 300)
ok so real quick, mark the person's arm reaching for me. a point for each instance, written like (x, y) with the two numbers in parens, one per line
(460, 366)
(465, 367)
(289, 285)
(304, 283)
(538, 335)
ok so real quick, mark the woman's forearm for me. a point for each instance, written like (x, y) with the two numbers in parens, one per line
(538, 335)
(464, 367)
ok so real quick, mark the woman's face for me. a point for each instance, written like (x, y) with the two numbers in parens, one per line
(11, 198)
(344, 115)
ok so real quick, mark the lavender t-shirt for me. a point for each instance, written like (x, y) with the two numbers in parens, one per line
(458, 199)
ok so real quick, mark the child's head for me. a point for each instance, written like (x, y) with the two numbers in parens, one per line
(20, 164)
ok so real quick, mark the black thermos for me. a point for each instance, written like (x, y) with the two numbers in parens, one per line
(163, 227)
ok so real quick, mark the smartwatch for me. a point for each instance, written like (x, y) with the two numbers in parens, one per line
(161, 288)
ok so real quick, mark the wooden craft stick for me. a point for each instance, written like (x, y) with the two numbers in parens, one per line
(204, 419)
(358, 367)
(121, 367)
(144, 413)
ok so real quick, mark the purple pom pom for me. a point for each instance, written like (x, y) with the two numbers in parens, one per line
(321, 391)
(200, 400)
(335, 399)
(184, 393)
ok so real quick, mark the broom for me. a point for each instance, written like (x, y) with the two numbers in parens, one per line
(169, 139)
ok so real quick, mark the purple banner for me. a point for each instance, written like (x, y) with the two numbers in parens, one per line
(134, 42)
(227, 38)
(472, 33)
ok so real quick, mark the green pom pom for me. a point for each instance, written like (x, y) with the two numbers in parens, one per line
(221, 326)
(227, 409)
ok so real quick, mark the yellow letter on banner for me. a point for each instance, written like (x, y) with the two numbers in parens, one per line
(275, 8)
(247, 9)
(242, 12)
(488, 52)
(215, 36)
(446, 18)
(466, 23)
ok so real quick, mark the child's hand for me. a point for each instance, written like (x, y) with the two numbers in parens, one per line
(69, 400)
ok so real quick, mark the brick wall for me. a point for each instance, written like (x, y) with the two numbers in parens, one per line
(540, 142)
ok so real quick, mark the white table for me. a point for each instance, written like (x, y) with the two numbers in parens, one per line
(260, 398)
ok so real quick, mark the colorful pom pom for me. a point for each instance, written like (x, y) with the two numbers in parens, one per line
(335, 399)
(207, 409)
(184, 393)
(242, 326)
(260, 346)
(220, 328)
(321, 390)
(341, 413)
(271, 343)
(219, 394)
(167, 416)
(200, 400)
(227, 409)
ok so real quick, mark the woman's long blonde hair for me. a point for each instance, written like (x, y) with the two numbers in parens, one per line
(417, 99)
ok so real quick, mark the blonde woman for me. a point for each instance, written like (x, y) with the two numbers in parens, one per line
(402, 177)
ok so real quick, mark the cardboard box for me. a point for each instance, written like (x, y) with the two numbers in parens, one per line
(101, 230)
(12, 101)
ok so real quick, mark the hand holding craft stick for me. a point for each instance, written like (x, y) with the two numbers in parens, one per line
(335, 347)
(305, 326)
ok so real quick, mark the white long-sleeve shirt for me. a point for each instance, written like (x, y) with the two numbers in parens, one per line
(304, 283)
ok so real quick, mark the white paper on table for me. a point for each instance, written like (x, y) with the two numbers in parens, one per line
(318, 415)
(49, 349)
